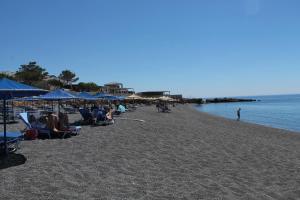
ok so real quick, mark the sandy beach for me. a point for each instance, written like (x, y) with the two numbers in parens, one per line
(184, 154)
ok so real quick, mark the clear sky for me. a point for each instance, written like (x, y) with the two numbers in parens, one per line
(199, 48)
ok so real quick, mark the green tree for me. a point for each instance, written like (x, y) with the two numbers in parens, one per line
(41, 84)
(5, 75)
(88, 87)
(31, 73)
(55, 83)
(68, 77)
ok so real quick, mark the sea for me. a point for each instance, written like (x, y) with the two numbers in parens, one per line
(278, 111)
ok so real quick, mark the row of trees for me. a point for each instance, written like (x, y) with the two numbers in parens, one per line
(35, 75)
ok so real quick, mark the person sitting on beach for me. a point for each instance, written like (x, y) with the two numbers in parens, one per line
(115, 109)
(101, 116)
(94, 107)
(95, 114)
(63, 121)
(121, 109)
(54, 125)
(52, 122)
(109, 115)
(36, 123)
(42, 122)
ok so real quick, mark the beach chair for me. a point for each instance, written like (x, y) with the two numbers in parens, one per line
(13, 140)
(69, 110)
(102, 120)
(86, 116)
(164, 108)
(42, 132)
(73, 130)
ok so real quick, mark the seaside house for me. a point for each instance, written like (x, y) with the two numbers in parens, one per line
(116, 89)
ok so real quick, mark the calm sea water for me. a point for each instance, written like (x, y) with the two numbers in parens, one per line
(279, 111)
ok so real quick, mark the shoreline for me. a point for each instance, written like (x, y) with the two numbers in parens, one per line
(183, 154)
(267, 126)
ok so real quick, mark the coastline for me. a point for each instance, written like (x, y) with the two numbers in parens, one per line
(193, 106)
(183, 154)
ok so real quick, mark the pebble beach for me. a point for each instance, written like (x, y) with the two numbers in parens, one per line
(184, 154)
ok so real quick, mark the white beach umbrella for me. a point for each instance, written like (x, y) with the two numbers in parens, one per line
(133, 97)
(166, 98)
(150, 98)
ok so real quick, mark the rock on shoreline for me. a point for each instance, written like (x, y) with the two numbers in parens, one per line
(217, 100)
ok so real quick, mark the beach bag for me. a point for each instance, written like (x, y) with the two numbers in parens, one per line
(31, 134)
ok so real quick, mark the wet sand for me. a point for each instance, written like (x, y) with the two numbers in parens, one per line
(184, 154)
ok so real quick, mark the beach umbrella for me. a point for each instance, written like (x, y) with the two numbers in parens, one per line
(121, 98)
(100, 95)
(10, 89)
(150, 98)
(112, 98)
(86, 96)
(33, 98)
(108, 97)
(57, 95)
(166, 98)
(134, 97)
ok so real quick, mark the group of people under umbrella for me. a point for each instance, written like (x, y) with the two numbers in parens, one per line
(9, 90)
(12, 90)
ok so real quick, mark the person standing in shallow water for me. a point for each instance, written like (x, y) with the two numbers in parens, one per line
(238, 112)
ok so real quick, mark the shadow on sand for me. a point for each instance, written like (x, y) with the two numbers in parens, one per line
(11, 160)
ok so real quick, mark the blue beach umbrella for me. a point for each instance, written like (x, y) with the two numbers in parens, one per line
(111, 98)
(33, 98)
(101, 95)
(121, 98)
(86, 96)
(57, 95)
(10, 89)
(108, 97)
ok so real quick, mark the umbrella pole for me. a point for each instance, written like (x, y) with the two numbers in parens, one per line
(13, 113)
(4, 126)
(58, 107)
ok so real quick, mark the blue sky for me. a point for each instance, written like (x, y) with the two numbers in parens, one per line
(200, 48)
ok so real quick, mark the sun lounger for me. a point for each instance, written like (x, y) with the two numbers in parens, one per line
(96, 121)
(103, 123)
(24, 118)
(72, 130)
(13, 139)
(75, 130)
(69, 110)
(86, 115)
(163, 108)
